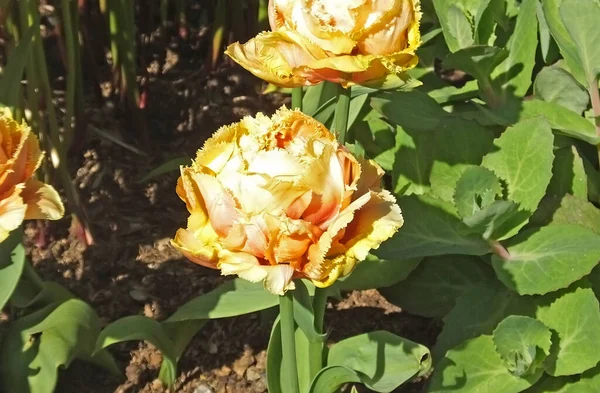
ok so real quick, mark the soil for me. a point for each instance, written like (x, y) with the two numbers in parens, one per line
(132, 269)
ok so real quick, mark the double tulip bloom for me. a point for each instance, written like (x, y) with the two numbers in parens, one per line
(341, 41)
(273, 199)
(21, 196)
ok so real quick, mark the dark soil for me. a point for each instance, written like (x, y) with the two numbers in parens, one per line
(131, 267)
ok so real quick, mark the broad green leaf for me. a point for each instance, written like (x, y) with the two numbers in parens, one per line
(180, 333)
(315, 96)
(433, 162)
(593, 177)
(478, 61)
(235, 297)
(12, 260)
(169, 166)
(575, 317)
(573, 210)
(523, 343)
(542, 260)
(548, 46)
(410, 109)
(431, 227)
(356, 106)
(378, 139)
(435, 285)
(515, 72)
(548, 384)
(460, 28)
(566, 44)
(375, 273)
(474, 366)
(331, 378)
(275, 360)
(498, 221)
(589, 382)
(476, 189)
(304, 314)
(397, 359)
(29, 295)
(478, 311)
(580, 18)
(555, 84)
(561, 120)
(523, 158)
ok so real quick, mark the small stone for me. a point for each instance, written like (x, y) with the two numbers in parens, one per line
(259, 386)
(253, 374)
(204, 388)
(139, 295)
(223, 371)
(213, 348)
(157, 385)
(155, 360)
(241, 365)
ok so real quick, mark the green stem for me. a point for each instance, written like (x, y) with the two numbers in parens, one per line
(297, 98)
(341, 115)
(70, 43)
(288, 342)
(315, 349)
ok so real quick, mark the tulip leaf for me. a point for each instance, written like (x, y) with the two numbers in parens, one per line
(476, 367)
(580, 17)
(181, 333)
(555, 84)
(398, 359)
(514, 73)
(374, 273)
(523, 159)
(523, 343)
(169, 166)
(304, 313)
(575, 317)
(432, 289)
(431, 227)
(331, 378)
(410, 109)
(542, 260)
(235, 297)
(12, 261)
(10, 83)
(275, 360)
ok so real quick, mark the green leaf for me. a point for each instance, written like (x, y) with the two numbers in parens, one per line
(410, 109)
(523, 158)
(318, 95)
(515, 72)
(548, 46)
(523, 343)
(555, 84)
(478, 61)
(498, 221)
(548, 384)
(12, 260)
(593, 182)
(431, 228)
(375, 273)
(383, 360)
(475, 367)
(566, 44)
(478, 311)
(477, 188)
(275, 360)
(235, 297)
(46, 340)
(435, 285)
(542, 261)
(10, 84)
(180, 333)
(330, 379)
(575, 318)
(578, 211)
(460, 28)
(304, 313)
(561, 120)
(28, 295)
(169, 166)
(433, 162)
(580, 18)
(589, 382)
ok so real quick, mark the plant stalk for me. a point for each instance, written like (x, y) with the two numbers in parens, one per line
(315, 348)
(288, 342)
(297, 98)
(595, 98)
(341, 115)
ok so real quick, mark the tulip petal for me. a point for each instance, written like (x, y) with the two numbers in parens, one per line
(197, 250)
(42, 200)
(12, 212)
(220, 206)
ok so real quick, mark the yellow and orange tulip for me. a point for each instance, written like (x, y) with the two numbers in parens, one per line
(346, 42)
(273, 199)
(21, 196)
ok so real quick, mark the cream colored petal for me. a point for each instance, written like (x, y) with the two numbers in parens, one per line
(391, 37)
(12, 212)
(279, 279)
(220, 206)
(202, 251)
(374, 223)
(42, 200)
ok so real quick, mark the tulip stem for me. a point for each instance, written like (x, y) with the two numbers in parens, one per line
(288, 342)
(315, 349)
(341, 115)
(297, 98)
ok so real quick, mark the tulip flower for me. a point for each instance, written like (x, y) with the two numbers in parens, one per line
(346, 42)
(273, 199)
(21, 196)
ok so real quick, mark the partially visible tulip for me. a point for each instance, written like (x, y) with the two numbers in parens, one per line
(346, 42)
(21, 196)
(273, 199)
